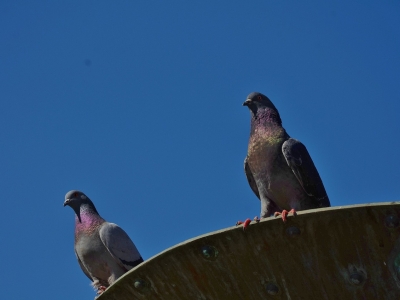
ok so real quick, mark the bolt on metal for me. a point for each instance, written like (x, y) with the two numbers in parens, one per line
(272, 289)
(209, 252)
(392, 221)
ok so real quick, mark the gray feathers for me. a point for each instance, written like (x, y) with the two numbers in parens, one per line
(279, 168)
(303, 168)
(104, 251)
(250, 178)
(119, 245)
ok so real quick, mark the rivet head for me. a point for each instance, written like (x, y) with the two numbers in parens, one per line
(392, 221)
(397, 266)
(397, 272)
(356, 278)
(272, 289)
(209, 252)
(293, 231)
(141, 285)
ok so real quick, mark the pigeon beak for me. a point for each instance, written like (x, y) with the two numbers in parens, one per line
(66, 202)
(247, 102)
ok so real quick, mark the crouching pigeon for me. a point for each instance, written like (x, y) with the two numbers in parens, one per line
(104, 251)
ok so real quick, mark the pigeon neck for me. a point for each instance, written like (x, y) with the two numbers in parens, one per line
(265, 117)
(87, 214)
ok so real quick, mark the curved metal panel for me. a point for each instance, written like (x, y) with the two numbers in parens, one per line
(350, 252)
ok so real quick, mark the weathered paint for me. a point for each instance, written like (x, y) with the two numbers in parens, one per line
(349, 252)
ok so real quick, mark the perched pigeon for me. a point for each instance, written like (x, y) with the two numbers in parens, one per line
(279, 169)
(104, 251)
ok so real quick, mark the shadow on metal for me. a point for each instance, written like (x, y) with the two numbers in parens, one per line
(349, 252)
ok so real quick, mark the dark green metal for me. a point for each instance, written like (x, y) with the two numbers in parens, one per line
(349, 252)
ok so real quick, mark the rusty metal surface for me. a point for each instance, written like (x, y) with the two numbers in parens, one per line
(349, 252)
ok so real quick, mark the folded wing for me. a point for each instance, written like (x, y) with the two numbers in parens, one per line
(120, 245)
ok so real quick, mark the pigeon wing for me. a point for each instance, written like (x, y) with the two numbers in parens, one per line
(250, 178)
(299, 160)
(120, 245)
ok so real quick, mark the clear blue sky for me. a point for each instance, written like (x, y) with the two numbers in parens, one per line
(139, 105)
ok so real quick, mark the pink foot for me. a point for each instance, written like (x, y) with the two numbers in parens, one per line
(247, 222)
(101, 290)
(285, 213)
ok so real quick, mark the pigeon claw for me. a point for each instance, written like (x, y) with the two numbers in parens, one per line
(101, 290)
(245, 223)
(285, 213)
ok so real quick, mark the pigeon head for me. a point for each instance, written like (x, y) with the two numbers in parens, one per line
(261, 106)
(257, 100)
(80, 203)
(75, 199)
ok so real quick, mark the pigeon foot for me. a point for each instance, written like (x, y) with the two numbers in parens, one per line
(247, 222)
(101, 290)
(285, 213)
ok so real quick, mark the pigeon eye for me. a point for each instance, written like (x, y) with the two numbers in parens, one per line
(259, 97)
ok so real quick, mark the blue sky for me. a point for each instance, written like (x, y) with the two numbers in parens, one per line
(139, 105)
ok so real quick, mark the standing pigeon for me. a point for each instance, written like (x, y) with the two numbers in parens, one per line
(279, 169)
(104, 251)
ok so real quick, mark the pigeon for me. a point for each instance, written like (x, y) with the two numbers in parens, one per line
(279, 168)
(104, 250)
